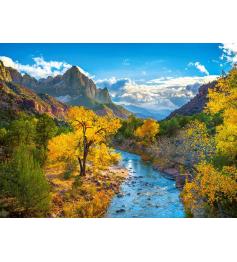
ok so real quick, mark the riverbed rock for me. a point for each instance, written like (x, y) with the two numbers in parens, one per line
(120, 210)
(171, 173)
(120, 195)
(181, 180)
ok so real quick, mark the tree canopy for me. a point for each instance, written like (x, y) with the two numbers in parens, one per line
(88, 141)
(148, 130)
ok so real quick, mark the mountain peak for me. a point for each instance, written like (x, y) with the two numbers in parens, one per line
(72, 70)
(4, 73)
(74, 85)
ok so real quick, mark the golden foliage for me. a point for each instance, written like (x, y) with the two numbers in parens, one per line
(196, 144)
(211, 186)
(148, 130)
(94, 205)
(224, 95)
(87, 142)
(223, 98)
(63, 147)
(94, 127)
(102, 157)
(226, 137)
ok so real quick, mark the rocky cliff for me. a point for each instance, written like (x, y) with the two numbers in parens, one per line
(53, 94)
(72, 84)
(16, 98)
(72, 88)
(19, 99)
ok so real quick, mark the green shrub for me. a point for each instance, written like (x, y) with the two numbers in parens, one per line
(25, 180)
(45, 130)
(22, 132)
(3, 134)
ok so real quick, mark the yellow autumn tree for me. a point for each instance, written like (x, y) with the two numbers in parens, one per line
(195, 144)
(148, 130)
(88, 142)
(212, 187)
(217, 186)
(223, 99)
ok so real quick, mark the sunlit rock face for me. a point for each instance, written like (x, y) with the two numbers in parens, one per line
(4, 73)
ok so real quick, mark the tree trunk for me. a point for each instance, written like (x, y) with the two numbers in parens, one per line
(81, 167)
(82, 163)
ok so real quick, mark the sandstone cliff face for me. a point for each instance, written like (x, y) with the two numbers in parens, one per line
(197, 104)
(19, 99)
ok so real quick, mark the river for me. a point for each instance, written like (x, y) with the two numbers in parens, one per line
(145, 193)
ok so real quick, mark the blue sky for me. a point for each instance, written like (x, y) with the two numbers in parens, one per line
(135, 61)
(154, 77)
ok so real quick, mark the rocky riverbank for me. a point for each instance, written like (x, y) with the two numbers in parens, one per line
(170, 171)
(174, 174)
(91, 196)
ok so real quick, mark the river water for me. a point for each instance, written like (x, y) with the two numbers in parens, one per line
(146, 193)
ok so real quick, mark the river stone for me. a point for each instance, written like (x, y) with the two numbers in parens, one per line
(120, 210)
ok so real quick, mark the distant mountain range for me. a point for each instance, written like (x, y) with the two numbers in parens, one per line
(187, 108)
(55, 93)
(145, 113)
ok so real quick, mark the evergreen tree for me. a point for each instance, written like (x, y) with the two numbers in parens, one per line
(25, 180)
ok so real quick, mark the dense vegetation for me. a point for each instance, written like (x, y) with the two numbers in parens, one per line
(40, 156)
(23, 143)
(214, 186)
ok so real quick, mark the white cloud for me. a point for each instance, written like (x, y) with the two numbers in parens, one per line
(7, 61)
(115, 85)
(166, 93)
(182, 81)
(41, 68)
(108, 81)
(200, 67)
(85, 73)
(229, 52)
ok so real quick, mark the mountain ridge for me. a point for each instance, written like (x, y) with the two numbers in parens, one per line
(72, 83)
(24, 93)
(73, 88)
